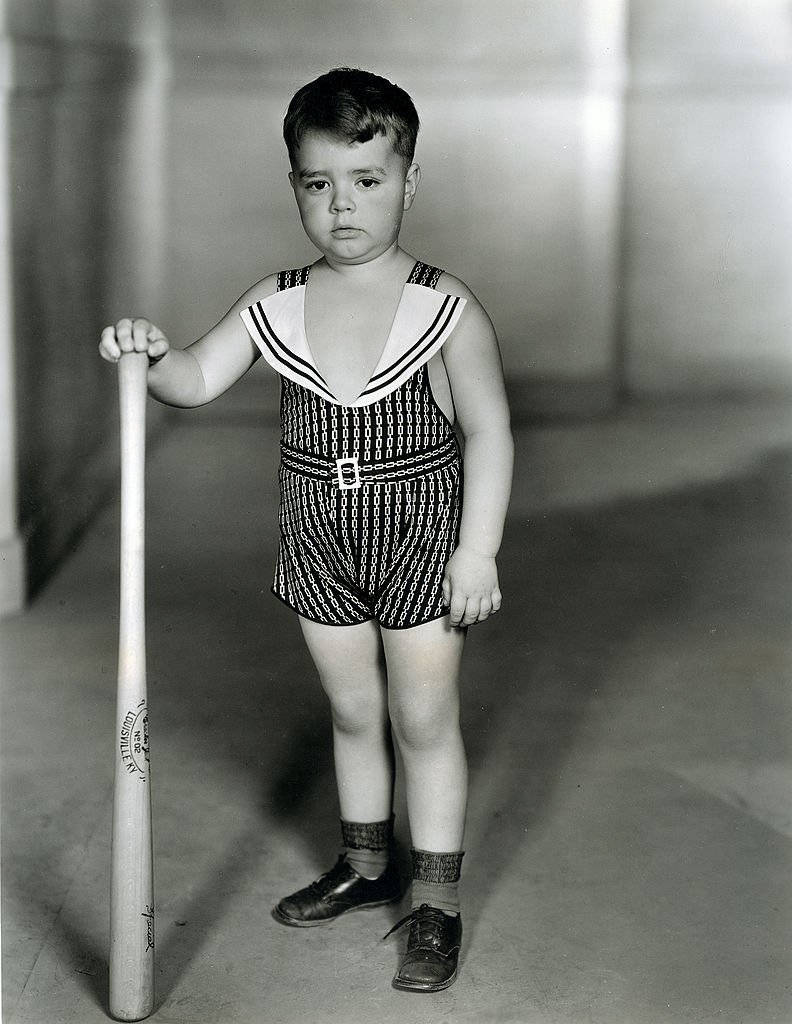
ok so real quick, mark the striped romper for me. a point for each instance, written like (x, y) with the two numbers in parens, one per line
(370, 493)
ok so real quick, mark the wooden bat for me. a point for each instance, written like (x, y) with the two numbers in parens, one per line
(131, 869)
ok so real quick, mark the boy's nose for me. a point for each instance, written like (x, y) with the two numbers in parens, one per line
(341, 201)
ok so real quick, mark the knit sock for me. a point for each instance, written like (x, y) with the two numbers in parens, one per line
(367, 845)
(436, 880)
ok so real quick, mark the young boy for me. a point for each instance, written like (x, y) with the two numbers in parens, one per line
(385, 554)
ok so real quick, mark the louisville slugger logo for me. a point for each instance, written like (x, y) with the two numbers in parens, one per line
(134, 741)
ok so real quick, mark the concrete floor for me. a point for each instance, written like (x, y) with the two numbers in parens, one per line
(627, 716)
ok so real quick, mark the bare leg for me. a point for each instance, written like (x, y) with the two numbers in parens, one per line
(351, 668)
(423, 673)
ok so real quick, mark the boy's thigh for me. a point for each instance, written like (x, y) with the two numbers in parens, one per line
(423, 681)
(423, 656)
(344, 652)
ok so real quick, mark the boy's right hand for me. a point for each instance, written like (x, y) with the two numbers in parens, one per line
(133, 334)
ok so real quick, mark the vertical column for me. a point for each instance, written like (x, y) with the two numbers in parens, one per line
(601, 176)
(12, 548)
(83, 206)
(146, 211)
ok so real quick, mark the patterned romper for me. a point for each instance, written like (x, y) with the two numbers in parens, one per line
(370, 492)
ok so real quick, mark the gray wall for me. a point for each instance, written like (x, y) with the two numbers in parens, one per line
(75, 99)
(611, 178)
(519, 197)
(707, 261)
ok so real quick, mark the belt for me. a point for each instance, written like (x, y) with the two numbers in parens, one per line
(349, 472)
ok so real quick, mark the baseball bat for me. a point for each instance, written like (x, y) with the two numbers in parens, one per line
(131, 965)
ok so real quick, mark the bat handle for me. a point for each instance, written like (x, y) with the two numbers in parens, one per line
(132, 377)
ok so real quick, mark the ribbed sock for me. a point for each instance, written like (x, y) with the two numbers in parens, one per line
(367, 845)
(436, 880)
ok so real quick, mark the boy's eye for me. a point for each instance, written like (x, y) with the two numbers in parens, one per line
(316, 186)
(368, 182)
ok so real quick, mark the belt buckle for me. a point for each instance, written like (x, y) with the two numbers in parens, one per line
(348, 471)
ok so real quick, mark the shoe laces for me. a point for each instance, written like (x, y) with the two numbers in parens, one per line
(426, 926)
(328, 881)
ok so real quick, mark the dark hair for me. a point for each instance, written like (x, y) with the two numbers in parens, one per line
(354, 106)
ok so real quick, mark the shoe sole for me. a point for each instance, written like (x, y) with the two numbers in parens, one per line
(294, 923)
(405, 986)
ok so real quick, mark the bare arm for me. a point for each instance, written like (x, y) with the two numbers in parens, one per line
(473, 363)
(199, 373)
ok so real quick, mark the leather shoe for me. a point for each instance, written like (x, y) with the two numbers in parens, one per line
(430, 963)
(337, 892)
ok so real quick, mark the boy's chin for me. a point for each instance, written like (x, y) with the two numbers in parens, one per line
(349, 256)
(353, 251)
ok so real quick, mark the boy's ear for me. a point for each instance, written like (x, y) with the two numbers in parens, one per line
(411, 185)
(291, 178)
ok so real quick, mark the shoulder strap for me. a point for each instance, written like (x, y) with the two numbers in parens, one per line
(293, 278)
(422, 274)
(425, 275)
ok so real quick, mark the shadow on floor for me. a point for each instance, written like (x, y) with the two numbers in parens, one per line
(579, 586)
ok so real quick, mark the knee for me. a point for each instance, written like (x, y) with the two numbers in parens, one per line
(354, 712)
(424, 724)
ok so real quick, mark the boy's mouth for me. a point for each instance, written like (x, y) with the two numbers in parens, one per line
(345, 229)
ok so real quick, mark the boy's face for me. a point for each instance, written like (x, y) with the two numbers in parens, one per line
(351, 196)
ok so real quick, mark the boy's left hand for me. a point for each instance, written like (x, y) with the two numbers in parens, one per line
(470, 587)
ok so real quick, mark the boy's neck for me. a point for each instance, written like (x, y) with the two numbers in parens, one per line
(389, 262)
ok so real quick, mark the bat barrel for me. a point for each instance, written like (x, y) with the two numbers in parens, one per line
(131, 958)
